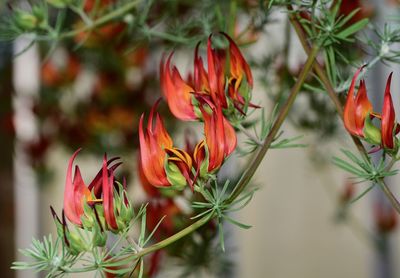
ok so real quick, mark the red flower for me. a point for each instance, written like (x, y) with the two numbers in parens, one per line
(177, 92)
(220, 137)
(358, 114)
(356, 108)
(108, 196)
(223, 83)
(153, 141)
(76, 193)
(216, 77)
(162, 164)
(388, 118)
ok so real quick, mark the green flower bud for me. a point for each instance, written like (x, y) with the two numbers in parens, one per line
(25, 20)
(372, 133)
(175, 176)
(99, 236)
(76, 243)
(204, 164)
(88, 218)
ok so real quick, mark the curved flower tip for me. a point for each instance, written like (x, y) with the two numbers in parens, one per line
(200, 81)
(388, 118)
(178, 93)
(219, 135)
(108, 196)
(153, 140)
(216, 70)
(357, 108)
(238, 64)
(75, 193)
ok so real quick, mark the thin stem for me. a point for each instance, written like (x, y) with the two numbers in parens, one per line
(251, 136)
(175, 237)
(78, 270)
(133, 243)
(102, 20)
(338, 105)
(389, 194)
(82, 15)
(244, 180)
(166, 36)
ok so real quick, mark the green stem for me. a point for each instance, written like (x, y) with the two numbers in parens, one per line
(389, 194)
(166, 36)
(175, 237)
(338, 105)
(103, 20)
(244, 180)
(78, 270)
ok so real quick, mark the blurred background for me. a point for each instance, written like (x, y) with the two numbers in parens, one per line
(90, 90)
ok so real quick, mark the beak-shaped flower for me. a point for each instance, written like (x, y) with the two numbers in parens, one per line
(153, 141)
(357, 108)
(238, 65)
(76, 193)
(227, 82)
(216, 74)
(162, 164)
(201, 83)
(388, 118)
(219, 135)
(108, 196)
(177, 92)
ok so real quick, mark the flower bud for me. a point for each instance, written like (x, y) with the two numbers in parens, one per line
(99, 236)
(174, 175)
(76, 243)
(25, 20)
(201, 158)
(124, 208)
(372, 133)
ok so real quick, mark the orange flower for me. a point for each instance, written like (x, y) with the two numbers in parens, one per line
(162, 164)
(76, 193)
(108, 196)
(357, 108)
(177, 92)
(220, 137)
(227, 82)
(358, 114)
(216, 71)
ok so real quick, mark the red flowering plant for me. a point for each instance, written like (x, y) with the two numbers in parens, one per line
(184, 188)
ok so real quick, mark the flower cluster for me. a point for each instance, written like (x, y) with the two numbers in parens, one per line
(100, 206)
(217, 97)
(227, 83)
(359, 115)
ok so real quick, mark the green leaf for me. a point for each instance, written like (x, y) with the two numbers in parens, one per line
(353, 28)
(241, 225)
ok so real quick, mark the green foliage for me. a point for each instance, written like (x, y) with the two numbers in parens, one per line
(46, 255)
(363, 169)
(216, 205)
(253, 142)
